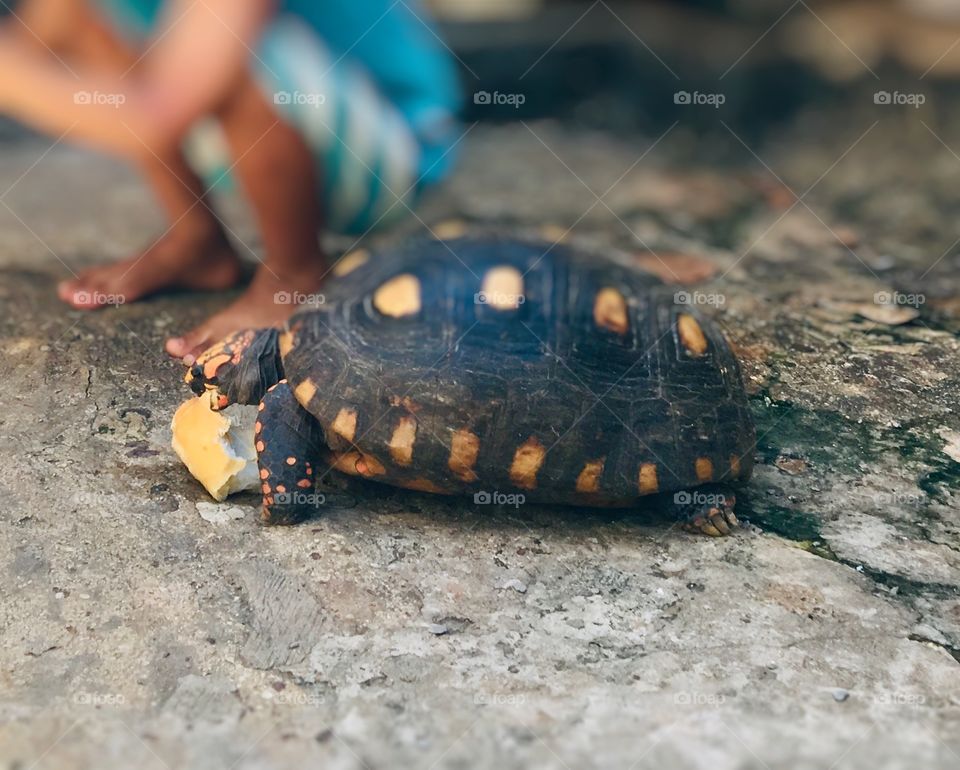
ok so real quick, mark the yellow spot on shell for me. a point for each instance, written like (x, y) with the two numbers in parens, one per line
(691, 335)
(399, 296)
(647, 479)
(368, 465)
(735, 465)
(286, 343)
(463, 455)
(610, 311)
(526, 463)
(305, 391)
(424, 485)
(589, 479)
(502, 288)
(704, 467)
(346, 462)
(401, 443)
(345, 423)
(350, 262)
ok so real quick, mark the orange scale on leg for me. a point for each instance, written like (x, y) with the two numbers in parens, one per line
(291, 461)
(264, 473)
(304, 483)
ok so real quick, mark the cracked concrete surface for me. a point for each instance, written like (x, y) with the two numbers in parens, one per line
(403, 630)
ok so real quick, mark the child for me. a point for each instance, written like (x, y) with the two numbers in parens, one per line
(330, 113)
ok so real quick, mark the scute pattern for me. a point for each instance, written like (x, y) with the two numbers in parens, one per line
(544, 371)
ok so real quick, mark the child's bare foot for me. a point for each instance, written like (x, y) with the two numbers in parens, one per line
(201, 260)
(268, 301)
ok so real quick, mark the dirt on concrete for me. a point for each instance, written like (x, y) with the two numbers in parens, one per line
(404, 630)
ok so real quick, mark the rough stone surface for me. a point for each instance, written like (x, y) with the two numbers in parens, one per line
(403, 630)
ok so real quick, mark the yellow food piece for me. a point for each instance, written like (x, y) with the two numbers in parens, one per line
(216, 449)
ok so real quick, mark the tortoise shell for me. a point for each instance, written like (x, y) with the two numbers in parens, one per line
(493, 365)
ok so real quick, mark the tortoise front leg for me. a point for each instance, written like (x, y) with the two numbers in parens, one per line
(707, 510)
(289, 442)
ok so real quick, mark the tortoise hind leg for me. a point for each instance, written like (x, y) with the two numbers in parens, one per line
(288, 443)
(707, 510)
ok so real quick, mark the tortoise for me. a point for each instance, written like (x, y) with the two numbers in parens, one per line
(497, 367)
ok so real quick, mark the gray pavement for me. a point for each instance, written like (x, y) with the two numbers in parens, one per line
(404, 630)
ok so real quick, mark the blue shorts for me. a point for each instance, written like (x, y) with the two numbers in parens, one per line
(375, 103)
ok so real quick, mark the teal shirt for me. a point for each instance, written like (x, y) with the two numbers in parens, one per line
(394, 42)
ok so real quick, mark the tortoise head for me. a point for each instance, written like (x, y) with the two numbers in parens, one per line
(238, 369)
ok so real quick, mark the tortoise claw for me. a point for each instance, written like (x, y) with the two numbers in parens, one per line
(709, 529)
(719, 522)
(704, 526)
(715, 520)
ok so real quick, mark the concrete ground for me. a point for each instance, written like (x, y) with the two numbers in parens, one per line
(403, 630)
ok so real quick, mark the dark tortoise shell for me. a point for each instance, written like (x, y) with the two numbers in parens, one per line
(493, 366)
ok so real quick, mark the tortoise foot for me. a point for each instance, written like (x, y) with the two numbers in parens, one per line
(708, 511)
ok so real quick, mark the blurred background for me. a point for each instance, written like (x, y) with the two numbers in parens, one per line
(617, 64)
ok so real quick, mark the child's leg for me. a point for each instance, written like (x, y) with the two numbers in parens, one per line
(274, 166)
(276, 171)
(350, 155)
(193, 252)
